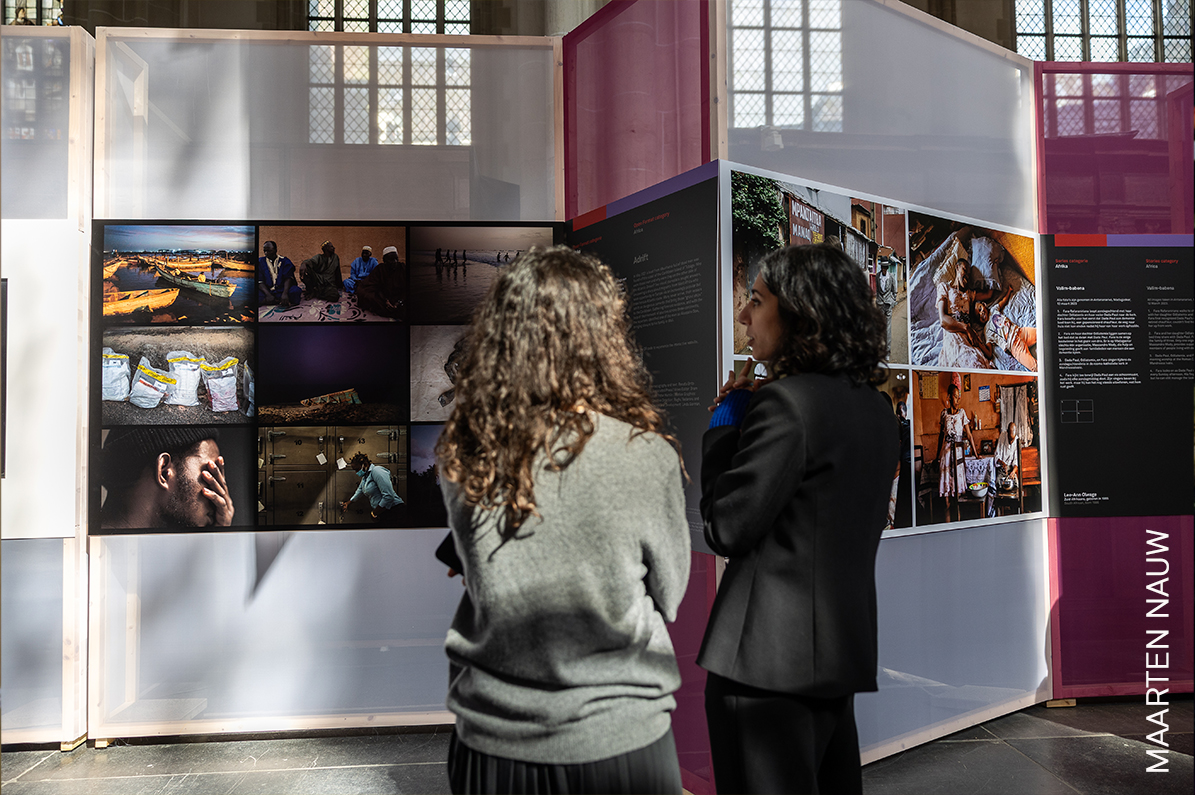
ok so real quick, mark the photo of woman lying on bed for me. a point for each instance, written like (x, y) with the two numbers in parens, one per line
(972, 298)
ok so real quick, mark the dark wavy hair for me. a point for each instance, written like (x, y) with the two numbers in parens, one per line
(831, 324)
(549, 342)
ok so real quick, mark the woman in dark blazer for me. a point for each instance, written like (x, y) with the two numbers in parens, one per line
(796, 475)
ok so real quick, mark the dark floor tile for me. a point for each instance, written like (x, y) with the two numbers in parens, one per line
(1107, 765)
(14, 764)
(428, 779)
(1179, 743)
(977, 768)
(1123, 718)
(245, 756)
(1025, 724)
(969, 734)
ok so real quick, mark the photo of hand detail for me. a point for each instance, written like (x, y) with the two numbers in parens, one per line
(175, 478)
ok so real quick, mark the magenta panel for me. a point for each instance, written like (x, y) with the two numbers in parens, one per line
(636, 99)
(1101, 570)
(1116, 154)
(688, 722)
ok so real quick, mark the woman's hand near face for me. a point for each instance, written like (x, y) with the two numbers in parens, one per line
(739, 380)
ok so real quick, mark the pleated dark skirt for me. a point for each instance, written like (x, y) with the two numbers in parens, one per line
(651, 770)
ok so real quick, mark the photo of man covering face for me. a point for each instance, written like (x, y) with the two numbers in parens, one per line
(172, 478)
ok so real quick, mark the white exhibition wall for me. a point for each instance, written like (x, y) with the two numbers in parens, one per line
(45, 239)
(915, 109)
(234, 632)
(964, 634)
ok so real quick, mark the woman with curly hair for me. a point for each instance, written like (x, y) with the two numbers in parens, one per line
(565, 500)
(795, 481)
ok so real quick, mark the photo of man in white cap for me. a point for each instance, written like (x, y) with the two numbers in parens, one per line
(362, 266)
(384, 290)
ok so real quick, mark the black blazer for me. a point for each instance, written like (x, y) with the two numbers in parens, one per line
(797, 500)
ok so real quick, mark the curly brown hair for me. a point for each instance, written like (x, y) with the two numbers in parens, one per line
(831, 322)
(549, 344)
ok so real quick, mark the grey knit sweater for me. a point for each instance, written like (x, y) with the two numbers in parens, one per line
(559, 649)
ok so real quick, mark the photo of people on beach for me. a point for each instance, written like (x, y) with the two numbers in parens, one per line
(331, 274)
(972, 296)
(976, 439)
(177, 375)
(178, 274)
(452, 266)
(175, 478)
(333, 475)
(329, 373)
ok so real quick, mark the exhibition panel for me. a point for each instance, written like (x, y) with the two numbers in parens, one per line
(45, 180)
(288, 125)
(878, 95)
(961, 575)
(961, 299)
(1116, 205)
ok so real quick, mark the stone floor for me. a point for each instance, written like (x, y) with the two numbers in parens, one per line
(1097, 747)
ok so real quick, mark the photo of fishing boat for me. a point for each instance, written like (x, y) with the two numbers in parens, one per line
(127, 302)
(221, 288)
(207, 270)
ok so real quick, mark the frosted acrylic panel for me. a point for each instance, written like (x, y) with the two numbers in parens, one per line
(250, 631)
(31, 637)
(34, 117)
(636, 96)
(245, 129)
(962, 629)
(897, 107)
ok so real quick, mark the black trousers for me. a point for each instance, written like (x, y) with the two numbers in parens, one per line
(768, 742)
(651, 770)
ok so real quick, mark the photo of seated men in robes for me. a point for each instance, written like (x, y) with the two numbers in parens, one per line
(276, 279)
(173, 478)
(325, 287)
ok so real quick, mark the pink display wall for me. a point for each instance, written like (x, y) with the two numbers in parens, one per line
(1115, 158)
(636, 99)
(1100, 570)
(1115, 152)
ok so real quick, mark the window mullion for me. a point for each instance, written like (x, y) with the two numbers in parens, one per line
(1122, 29)
(374, 106)
(1048, 11)
(338, 94)
(806, 70)
(338, 21)
(767, 62)
(441, 80)
(407, 93)
(373, 18)
(1084, 31)
(1159, 33)
(406, 28)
